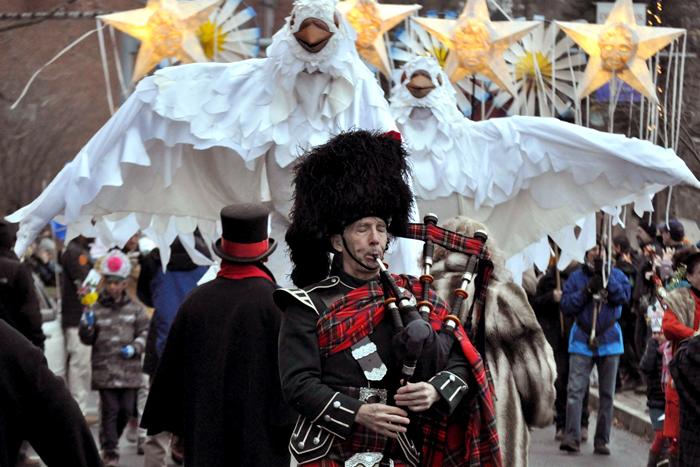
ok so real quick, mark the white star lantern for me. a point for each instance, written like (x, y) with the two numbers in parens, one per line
(619, 47)
(371, 20)
(477, 44)
(166, 29)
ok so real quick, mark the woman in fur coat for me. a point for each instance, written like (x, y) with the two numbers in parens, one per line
(517, 354)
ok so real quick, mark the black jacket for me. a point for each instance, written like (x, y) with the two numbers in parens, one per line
(35, 405)
(19, 304)
(314, 386)
(685, 370)
(217, 382)
(651, 364)
(45, 271)
(547, 310)
(76, 264)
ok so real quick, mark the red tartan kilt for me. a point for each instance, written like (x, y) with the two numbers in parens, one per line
(362, 440)
(457, 442)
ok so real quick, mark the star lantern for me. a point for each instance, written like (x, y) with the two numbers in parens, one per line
(619, 47)
(371, 20)
(477, 44)
(166, 29)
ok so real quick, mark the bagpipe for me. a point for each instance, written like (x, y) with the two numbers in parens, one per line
(412, 320)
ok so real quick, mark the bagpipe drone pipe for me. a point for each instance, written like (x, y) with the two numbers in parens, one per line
(415, 322)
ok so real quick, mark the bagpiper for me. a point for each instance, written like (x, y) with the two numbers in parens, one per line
(369, 390)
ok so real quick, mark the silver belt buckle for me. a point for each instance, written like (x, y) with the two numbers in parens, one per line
(366, 459)
(373, 396)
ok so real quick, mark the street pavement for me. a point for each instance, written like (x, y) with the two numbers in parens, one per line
(627, 450)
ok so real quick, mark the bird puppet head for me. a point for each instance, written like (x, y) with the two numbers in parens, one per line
(423, 83)
(315, 37)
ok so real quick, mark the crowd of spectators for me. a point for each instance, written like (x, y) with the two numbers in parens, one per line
(629, 319)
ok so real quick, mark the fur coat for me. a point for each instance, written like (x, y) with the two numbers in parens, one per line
(520, 359)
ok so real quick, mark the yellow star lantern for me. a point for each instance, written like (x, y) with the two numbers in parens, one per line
(371, 21)
(619, 48)
(477, 44)
(166, 29)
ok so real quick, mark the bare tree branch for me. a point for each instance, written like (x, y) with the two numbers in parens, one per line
(38, 20)
(689, 143)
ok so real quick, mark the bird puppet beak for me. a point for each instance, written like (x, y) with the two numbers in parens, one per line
(420, 84)
(313, 35)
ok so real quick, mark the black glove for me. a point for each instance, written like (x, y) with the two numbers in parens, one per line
(594, 285)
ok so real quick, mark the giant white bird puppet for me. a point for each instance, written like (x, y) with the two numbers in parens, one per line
(194, 138)
(524, 177)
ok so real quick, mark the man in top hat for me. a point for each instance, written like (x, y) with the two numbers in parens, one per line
(217, 384)
(338, 361)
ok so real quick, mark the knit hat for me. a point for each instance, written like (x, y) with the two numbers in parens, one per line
(354, 175)
(674, 228)
(46, 244)
(115, 264)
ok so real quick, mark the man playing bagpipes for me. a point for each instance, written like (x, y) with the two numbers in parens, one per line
(378, 369)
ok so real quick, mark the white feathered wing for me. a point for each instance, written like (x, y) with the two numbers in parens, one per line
(525, 177)
(194, 138)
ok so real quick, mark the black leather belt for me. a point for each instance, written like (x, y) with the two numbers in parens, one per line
(367, 395)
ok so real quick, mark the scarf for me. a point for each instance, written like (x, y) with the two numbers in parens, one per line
(356, 315)
(243, 271)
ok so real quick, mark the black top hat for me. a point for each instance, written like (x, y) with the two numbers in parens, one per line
(244, 237)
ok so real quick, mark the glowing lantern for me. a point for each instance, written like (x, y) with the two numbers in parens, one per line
(619, 47)
(371, 20)
(476, 43)
(166, 29)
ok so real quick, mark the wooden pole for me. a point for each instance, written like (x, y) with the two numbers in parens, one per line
(558, 276)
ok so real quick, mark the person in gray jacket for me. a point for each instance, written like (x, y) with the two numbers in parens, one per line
(116, 327)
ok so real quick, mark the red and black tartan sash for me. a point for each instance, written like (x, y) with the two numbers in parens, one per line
(453, 241)
(355, 316)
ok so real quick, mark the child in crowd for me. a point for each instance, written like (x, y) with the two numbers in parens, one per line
(116, 328)
(655, 369)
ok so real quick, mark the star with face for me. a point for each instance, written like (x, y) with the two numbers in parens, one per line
(616, 47)
(372, 20)
(619, 47)
(166, 29)
(476, 43)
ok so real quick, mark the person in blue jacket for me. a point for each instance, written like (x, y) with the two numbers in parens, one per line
(585, 293)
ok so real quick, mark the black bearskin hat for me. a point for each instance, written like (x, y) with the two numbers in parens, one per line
(354, 175)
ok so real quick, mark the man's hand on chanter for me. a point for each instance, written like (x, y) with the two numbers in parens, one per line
(383, 419)
(417, 397)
